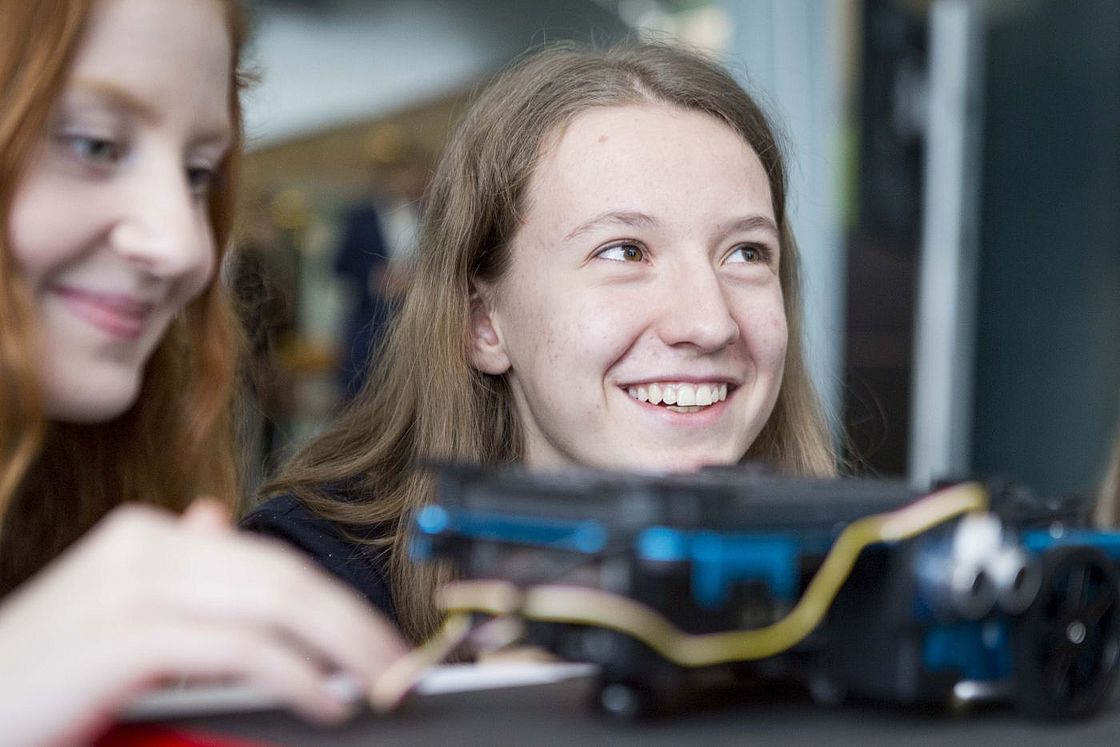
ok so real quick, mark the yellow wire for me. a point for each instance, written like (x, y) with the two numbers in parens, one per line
(488, 596)
(391, 687)
(496, 598)
(586, 606)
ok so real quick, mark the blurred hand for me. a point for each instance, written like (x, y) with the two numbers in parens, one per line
(147, 598)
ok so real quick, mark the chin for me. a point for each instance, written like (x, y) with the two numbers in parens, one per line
(675, 463)
(90, 407)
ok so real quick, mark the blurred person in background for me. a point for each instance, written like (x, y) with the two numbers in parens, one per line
(377, 249)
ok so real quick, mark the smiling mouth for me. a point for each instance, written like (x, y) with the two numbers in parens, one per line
(680, 397)
(118, 316)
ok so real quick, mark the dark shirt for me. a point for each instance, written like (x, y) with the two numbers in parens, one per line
(359, 565)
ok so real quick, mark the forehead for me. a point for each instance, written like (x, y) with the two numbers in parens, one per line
(167, 51)
(649, 154)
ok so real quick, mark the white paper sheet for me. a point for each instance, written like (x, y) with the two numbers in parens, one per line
(450, 678)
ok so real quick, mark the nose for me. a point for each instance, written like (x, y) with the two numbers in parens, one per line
(162, 226)
(696, 309)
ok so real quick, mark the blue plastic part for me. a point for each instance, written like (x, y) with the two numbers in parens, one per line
(977, 650)
(1040, 540)
(581, 536)
(432, 519)
(720, 560)
(662, 544)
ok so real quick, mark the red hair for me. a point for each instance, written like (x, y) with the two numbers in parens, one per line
(176, 442)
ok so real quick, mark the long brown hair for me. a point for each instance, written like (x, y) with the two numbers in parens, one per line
(425, 400)
(1108, 502)
(57, 480)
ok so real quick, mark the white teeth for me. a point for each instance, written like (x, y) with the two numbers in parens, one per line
(680, 397)
(686, 395)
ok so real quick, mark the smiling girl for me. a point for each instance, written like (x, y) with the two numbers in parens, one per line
(607, 277)
(119, 129)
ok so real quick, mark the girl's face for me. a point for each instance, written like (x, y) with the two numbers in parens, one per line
(640, 322)
(109, 226)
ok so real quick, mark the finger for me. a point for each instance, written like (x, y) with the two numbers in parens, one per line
(258, 581)
(328, 616)
(251, 656)
(207, 513)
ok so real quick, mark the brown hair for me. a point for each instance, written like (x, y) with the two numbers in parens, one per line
(1108, 502)
(425, 400)
(57, 480)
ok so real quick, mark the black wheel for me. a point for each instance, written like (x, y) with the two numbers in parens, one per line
(1068, 641)
(626, 700)
(826, 689)
(634, 681)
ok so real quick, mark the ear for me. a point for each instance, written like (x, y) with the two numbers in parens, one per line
(487, 352)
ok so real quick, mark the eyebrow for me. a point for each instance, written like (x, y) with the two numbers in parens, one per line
(121, 99)
(612, 217)
(641, 220)
(116, 96)
(754, 223)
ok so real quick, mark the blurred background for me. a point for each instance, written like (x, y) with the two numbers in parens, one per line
(955, 192)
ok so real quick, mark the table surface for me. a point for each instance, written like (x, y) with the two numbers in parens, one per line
(559, 714)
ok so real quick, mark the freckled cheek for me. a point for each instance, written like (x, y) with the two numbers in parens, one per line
(604, 329)
(767, 337)
(565, 336)
(530, 336)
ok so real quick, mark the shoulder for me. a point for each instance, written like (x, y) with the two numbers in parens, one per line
(361, 565)
(285, 513)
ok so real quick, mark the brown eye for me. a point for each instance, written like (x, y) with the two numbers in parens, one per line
(750, 254)
(632, 253)
(627, 252)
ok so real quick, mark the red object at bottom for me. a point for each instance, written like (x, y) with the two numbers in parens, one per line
(158, 736)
